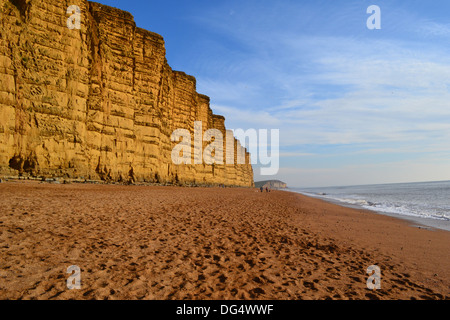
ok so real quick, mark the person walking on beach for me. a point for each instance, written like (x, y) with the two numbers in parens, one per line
(262, 189)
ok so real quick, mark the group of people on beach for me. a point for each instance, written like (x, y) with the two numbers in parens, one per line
(262, 189)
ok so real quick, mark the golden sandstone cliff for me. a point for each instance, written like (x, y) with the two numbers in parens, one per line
(99, 102)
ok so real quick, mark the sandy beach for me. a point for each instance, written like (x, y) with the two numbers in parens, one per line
(148, 242)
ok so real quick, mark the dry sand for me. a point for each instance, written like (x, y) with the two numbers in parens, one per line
(136, 242)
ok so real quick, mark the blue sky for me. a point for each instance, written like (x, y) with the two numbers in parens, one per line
(353, 105)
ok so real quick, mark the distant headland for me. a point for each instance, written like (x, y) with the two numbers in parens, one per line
(271, 184)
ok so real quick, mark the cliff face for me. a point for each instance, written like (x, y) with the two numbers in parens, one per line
(97, 103)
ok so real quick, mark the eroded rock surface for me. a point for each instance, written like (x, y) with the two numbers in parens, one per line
(98, 103)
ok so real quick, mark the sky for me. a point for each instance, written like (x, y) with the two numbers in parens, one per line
(353, 105)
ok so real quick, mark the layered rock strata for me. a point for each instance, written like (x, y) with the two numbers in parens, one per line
(99, 102)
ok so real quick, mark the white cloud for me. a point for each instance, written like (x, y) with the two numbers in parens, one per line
(237, 118)
(296, 154)
(380, 95)
(435, 29)
(224, 90)
(381, 99)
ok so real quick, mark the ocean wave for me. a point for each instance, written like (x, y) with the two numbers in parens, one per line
(429, 213)
(386, 207)
(360, 202)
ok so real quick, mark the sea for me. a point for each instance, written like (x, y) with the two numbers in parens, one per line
(426, 203)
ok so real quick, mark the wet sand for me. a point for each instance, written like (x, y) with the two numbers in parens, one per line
(138, 242)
